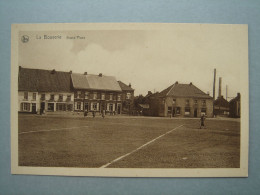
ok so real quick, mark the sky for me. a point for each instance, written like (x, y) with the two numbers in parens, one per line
(149, 59)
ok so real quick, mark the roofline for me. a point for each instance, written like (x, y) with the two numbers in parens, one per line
(97, 89)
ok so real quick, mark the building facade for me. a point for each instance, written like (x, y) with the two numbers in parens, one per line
(127, 98)
(235, 107)
(95, 93)
(221, 107)
(44, 91)
(184, 100)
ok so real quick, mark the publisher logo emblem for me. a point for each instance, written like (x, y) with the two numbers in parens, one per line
(25, 38)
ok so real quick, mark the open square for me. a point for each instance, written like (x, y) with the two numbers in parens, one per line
(127, 142)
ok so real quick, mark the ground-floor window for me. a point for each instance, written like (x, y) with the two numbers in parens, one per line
(86, 106)
(69, 107)
(178, 110)
(203, 111)
(110, 107)
(187, 111)
(78, 106)
(25, 107)
(94, 106)
(169, 110)
(50, 106)
(60, 107)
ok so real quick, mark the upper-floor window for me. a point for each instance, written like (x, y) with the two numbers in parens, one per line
(102, 96)
(60, 97)
(173, 101)
(86, 95)
(25, 95)
(119, 97)
(68, 97)
(34, 96)
(128, 95)
(196, 102)
(187, 102)
(43, 96)
(94, 96)
(203, 102)
(111, 96)
(78, 94)
(52, 97)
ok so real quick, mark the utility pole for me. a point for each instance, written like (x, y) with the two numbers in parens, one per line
(214, 84)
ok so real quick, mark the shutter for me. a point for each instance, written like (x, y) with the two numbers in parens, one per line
(114, 106)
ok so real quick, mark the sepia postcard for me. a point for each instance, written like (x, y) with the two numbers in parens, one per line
(130, 99)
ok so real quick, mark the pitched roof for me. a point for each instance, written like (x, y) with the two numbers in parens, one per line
(95, 82)
(125, 87)
(43, 80)
(184, 90)
(220, 101)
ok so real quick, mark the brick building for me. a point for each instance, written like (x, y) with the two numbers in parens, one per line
(181, 100)
(127, 97)
(96, 93)
(235, 107)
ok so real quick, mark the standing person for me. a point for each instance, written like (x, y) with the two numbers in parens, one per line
(94, 114)
(202, 120)
(103, 113)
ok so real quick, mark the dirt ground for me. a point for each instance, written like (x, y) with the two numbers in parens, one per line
(127, 142)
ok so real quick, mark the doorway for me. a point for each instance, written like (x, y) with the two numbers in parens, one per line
(195, 112)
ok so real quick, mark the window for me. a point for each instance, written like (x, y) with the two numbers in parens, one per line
(110, 107)
(86, 95)
(86, 106)
(203, 102)
(43, 96)
(195, 102)
(94, 96)
(50, 106)
(203, 111)
(78, 94)
(187, 111)
(68, 97)
(94, 106)
(52, 97)
(178, 110)
(187, 102)
(103, 96)
(25, 96)
(169, 109)
(173, 101)
(78, 105)
(60, 97)
(119, 97)
(128, 95)
(34, 96)
(25, 107)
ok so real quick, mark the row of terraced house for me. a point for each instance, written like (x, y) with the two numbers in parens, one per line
(51, 91)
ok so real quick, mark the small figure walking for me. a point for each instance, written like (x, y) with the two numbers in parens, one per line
(103, 113)
(202, 119)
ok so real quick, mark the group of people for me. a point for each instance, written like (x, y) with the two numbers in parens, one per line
(103, 113)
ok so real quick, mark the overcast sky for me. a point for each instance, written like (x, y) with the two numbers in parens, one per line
(151, 60)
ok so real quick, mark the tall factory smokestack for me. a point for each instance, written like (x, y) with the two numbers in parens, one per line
(226, 92)
(219, 87)
(214, 84)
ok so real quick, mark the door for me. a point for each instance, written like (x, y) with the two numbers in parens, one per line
(33, 108)
(195, 112)
(119, 109)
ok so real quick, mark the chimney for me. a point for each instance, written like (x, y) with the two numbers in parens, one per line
(100, 74)
(20, 68)
(190, 83)
(53, 71)
(208, 93)
(176, 82)
(219, 87)
(214, 83)
(85, 73)
(129, 85)
(70, 72)
(150, 93)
